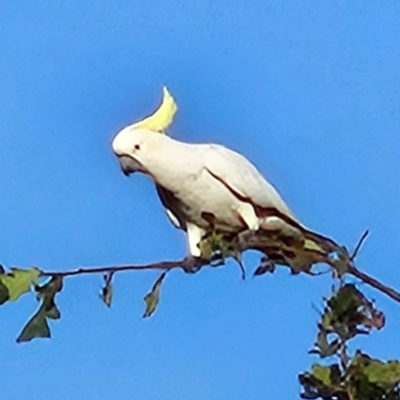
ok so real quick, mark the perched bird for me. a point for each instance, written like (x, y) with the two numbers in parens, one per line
(208, 187)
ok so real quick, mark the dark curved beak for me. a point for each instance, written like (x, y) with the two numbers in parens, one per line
(129, 165)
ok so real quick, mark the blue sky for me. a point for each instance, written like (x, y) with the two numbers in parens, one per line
(309, 91)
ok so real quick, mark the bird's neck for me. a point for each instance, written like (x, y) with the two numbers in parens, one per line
(174, 162)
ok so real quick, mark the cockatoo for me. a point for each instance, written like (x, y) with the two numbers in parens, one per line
(209, 187)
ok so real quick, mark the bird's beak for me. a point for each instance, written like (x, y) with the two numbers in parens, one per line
(129, 165)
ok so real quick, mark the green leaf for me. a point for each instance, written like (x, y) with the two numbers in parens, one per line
(349, 313)
(213, 243)
(323, 374)
(373, 379)
(37, 326)
(153, 297)
(385, 375)
(347, 300)
(17, 282)
(107, 290)
(4, 293)
(322, 382)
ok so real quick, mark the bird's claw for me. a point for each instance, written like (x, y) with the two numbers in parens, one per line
(217, 258)
(266, 266)
(192, 264)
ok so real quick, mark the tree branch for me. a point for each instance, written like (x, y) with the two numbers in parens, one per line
(369, 280)
(188, 264)
(359, 244)
(245, 241)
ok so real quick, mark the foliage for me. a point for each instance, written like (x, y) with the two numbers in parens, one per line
(37, 326)
(151, 299)
(15, 283)
(348, 313)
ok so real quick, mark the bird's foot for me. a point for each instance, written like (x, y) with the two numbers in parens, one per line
(217, 258)
(193, 264)
(266, 266)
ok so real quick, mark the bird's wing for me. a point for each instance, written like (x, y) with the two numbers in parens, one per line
(243, 179)
(172, 206)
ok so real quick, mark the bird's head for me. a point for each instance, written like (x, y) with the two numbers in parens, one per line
(137, 145)
(135, 148)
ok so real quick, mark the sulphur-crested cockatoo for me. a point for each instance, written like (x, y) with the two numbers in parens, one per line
(205, 186)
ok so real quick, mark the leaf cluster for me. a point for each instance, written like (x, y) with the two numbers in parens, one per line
(349, 313)
(364, 379)
(37, 326)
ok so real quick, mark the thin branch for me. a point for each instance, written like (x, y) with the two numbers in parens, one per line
(192, 265)
(188, 264)
(359, 244)
(369, 280)
(247, 240)
(343, 356)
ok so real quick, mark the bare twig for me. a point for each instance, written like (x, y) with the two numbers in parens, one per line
(369, 280)
(188, 264)
(359, 244)
(247, 240)
(343, 356)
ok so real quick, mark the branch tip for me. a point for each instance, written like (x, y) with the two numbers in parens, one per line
(359, 244)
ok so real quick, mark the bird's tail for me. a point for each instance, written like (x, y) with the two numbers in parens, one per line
(296, 246)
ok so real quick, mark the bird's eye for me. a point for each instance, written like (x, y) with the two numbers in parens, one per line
(137, 146)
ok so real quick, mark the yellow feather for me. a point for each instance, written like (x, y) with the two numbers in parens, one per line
(162, 117)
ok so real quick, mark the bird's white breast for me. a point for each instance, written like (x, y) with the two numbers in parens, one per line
(202, 193)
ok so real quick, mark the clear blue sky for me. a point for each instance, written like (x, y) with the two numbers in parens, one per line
(309, 91)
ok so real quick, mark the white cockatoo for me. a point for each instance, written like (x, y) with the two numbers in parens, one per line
(207, 186)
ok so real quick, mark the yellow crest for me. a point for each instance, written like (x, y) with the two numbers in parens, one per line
(162, 117)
